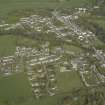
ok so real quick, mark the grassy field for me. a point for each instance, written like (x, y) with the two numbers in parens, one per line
(72, 48)
(11, 5)
(9, 8)
(15, 88)
(100, 22)
(7, 45)
(67, 81)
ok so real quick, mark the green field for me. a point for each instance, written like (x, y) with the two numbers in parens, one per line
(7, 45)
(12, 5)
(12, 10)
(100, 22)
(15, 88)
(67, 81)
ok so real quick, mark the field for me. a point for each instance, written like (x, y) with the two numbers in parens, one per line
(9, 10)
(100, 22)
(14, 89)
(12, 5)
(7, 45)
(68, 81)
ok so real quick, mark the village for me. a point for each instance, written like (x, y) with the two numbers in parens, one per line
(41, 65)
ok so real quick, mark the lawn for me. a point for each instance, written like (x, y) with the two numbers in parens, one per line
(7, 45)
(72, 48)
(15, 89)
(67, 81)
